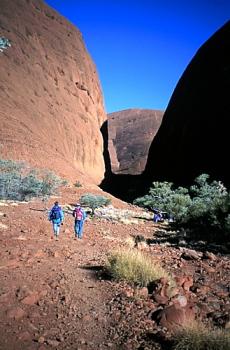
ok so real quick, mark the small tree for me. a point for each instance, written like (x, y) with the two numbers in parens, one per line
(210, 203)
(163, 197)
(94, 201)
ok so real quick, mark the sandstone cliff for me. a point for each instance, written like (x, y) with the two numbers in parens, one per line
(51, 106)
(194, 134)
(130, 133)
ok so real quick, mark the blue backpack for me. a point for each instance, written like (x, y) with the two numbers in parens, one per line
(55, 213)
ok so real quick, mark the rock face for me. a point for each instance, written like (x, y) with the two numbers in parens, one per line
(194, 134)
(130, 133)
(51, 106)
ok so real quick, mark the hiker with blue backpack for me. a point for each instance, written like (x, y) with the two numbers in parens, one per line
(56, 215)
(80, 215)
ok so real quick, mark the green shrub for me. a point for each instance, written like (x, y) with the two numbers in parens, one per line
(78, 184)
(210, 205)
(196, 336)
(50, 182)
(164, 197)
(19, 182)
(94, 201)
(135, 267)
(204, 207)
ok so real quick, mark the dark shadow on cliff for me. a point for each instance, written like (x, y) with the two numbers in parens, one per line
(125, 187)
(194, 135)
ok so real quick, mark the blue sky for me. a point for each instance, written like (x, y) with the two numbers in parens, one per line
(142, 47)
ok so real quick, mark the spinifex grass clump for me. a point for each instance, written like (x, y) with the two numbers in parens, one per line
(135, 267)
(195, 336)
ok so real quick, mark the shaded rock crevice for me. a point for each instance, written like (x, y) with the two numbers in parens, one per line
(127, 136)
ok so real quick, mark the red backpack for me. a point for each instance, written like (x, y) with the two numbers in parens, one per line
(78, 214)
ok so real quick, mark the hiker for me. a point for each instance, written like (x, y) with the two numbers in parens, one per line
(80, 216)
(157, 216)
(56, 215)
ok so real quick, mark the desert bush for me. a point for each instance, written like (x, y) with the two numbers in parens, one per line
(204, 207)
(77, 184)
(19, 182)
(196, 336)
(135, 267)
(94, 201)
(50, 182)
(8, 165)
(210, 203)
(162, 195)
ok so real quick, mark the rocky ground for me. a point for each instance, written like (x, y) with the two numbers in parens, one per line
(55, 294)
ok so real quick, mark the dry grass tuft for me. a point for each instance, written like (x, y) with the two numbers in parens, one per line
(135, 267)
(196, 336)
(130, 242)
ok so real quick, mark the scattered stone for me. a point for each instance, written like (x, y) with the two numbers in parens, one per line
(42, 347)
(24, 336)
(41, 340)
(173, 316)
(22, 292)
(3, 226)
(181, 300)
(87, 318)
(5, 298)
(21, 238)
(141, 292)
(53, 343)
(129, 293)
(190, 254)
(209, 255)
(16, 313)
(31, 299)
(186, 282)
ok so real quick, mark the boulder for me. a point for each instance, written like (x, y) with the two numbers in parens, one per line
(16, 313)
(175, 316)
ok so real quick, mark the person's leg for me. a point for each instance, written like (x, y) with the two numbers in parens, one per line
(80, 232)
(56, 230)
(76, 228)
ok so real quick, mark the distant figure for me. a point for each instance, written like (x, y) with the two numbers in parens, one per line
(56, 215)
(157, 216)
(4, 43)
(80, 216)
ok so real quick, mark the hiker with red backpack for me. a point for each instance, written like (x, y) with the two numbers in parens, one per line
(80, 216)
(56, 215)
